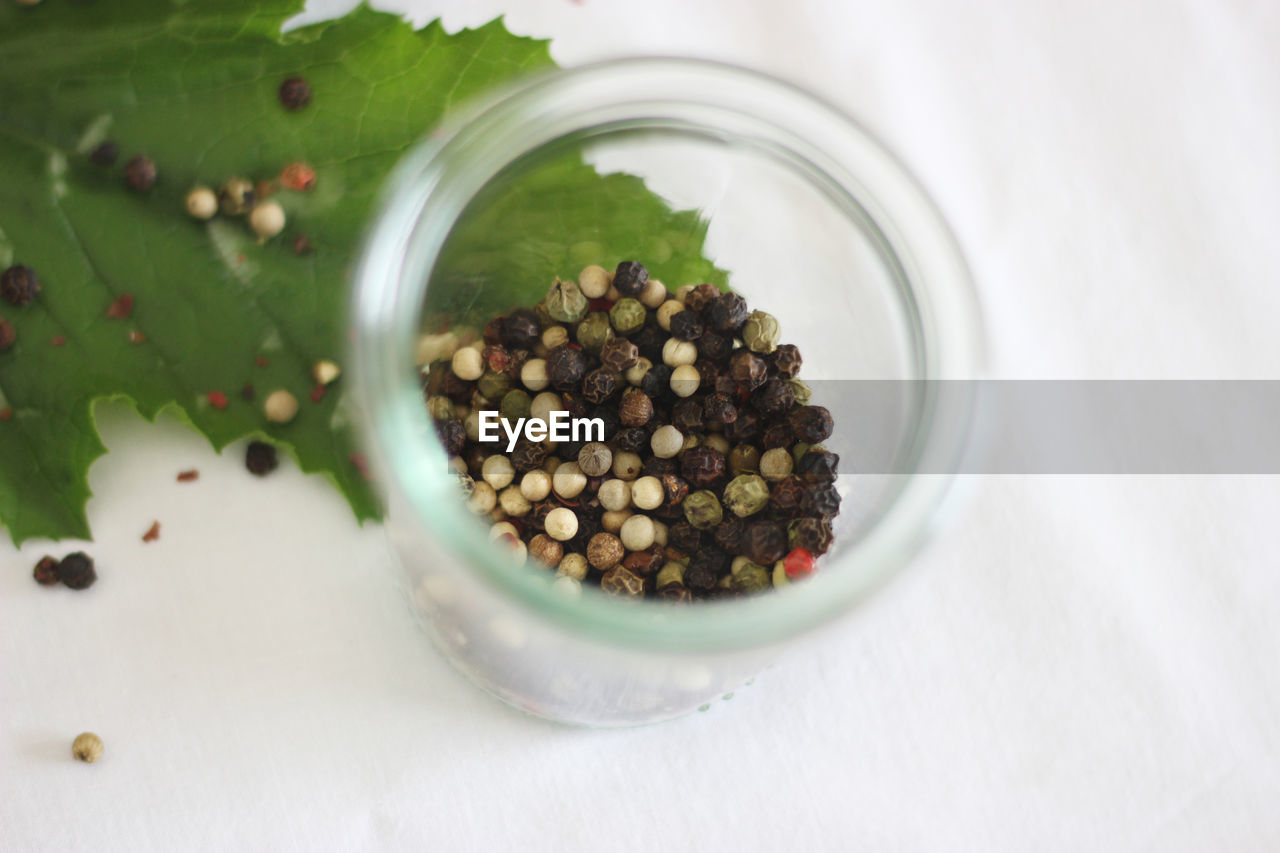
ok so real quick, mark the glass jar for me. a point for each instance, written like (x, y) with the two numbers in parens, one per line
(816, 223)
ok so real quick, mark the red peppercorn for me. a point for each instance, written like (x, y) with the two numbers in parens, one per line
(121, 308)
(217, 399)
(298, 177)
(798, 563)
(317, 393)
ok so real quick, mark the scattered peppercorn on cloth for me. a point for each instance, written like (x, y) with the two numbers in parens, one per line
(1074, 663)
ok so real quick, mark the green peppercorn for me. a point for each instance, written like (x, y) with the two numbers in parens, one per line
(440, 408)
(566, 302)
(670, 573)
(594, 331)
(761, 332)
(493, 385)
(627, 316)
(801, 391)
(744, 459)
(623, 582)
(751, 578)
(515, 405)
(746, 495)
(702, 509)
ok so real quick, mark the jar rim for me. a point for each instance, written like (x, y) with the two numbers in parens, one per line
(427, 191)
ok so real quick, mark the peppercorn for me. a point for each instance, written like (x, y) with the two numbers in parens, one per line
(713, 347)
(787, 496)
(521, 329)
(608, 416)
(801, 391)
(685, 380)
(483, 498)
(751, 579)
(594, 331)
(626, 465)
(46, 571)
(566, 366)
(621, 581)
(295, 93)
(764, 542)
(761, 332)
(637, 533)
(818, 466)
(773, 397)
(630, 278)
(745, 428)
(646, 493)
(8, 334)
(687, 416)
(686, 326)
(497, 357)
(719, 408)
(728, 534)
(618, 354)
(565, 302)
(267, 219)
(786, 361)
(674, 490)
(776, 464)
(87, 747)
(676, 353)
(627, 315)
(595, 459)
(798, 563)
(744, 459)
(546, 550)
(702, 509)
(527, 455)
(727, 312)
(684, 537)
(700, 578)
(599, 385)
(676, 593)
(777, 434)
(630, 440)
(201, 203)
(746, 495)
(280, 406)
(605, 551)
(236, 197)
(821, 500)
(702, 466)
(594, 281)
(260, 458)
(812, 424)
(493, 385)
(701, 296)
(76, 571)
(748, 369)
(635, 410)
(19, 285)
(812, 534)
(140, 173)
(104, 153)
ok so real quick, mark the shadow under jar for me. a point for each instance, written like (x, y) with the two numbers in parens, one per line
(815, 223)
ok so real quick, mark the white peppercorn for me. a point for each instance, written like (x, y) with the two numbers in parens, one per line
(666, 311)
(266, 219)
(654, 294)
(595, 459)
(503, 529)
(717, 442)
(666, 442)
(202, 203)
(467, 364)
(676, 353)
(561, 524)
(635, 373)
(87, 747)
(554, 336)
(637, 533)
(567, 586)
(497, 471)
(552, 464)
(614, 494)
(513, 503)
(685, 380)
(483, 498)
(626, 465)
(573, 566)
(546, 550)
(535, 485)
(471, 425)
(541, 407)
(776, 464)
(594, 281)
(683, 291)
(280, 406)
(660, 534)
(646, 493)
(534, 374)
(568, 481)
(613, 520)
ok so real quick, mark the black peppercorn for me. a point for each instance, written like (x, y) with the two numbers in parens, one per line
(748, 369)
(76, 571)
(686, 326)
(811, 424)
(19, 285)
(636, 408)
(104, 154)
(818, 466)
(684, 537)
(521, 329)
(774, 397)
(708, 373)
(712, 557)
(649, 341)
(786, 498)
(687, 416)
(618, 354)
(631, 440)
(714, 347)
(764, 542)
(657, 382)
(566, 365)
(608, 416)
(727, 313)
(46, 571)
(821, 499)
(703, 466)
(777, 433)
(745, 429)
(630, 278)
(528, 455)
(701, 296)
(786, 361)
(294, 93)
(492, 331)
(700, 578)
(260, 458)
(676, 593)
(518, 358)
(656, 466)
(140, 173)
(812, 534)
(599, 385)
(728, 533)
(719, 408)
(452, 434)
(674, 490)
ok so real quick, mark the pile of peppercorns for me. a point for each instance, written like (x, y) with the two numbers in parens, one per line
(711, 480)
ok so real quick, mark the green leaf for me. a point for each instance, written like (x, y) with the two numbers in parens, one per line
(194, 86)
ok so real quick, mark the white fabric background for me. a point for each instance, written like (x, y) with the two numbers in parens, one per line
(1079, 663)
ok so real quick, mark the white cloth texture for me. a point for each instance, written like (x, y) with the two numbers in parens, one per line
(1075, 663)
